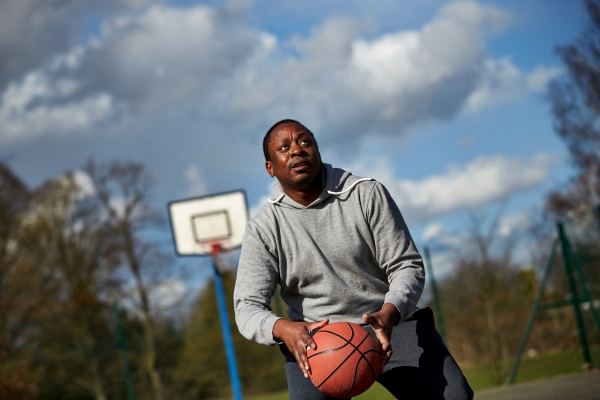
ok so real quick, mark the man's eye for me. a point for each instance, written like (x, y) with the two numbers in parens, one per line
(284, 146)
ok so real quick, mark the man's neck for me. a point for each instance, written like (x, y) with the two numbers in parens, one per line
(308, 194)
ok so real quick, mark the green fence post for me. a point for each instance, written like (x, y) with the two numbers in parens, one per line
(533, 313)
(574, 297)
(586, 293)
(123, 347)
(277, 302)
(436, 298)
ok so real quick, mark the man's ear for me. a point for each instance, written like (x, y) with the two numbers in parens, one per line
(269, 167)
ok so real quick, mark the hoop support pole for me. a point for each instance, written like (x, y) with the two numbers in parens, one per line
(226, 331)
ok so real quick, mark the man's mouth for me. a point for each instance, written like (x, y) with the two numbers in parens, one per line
(299, 165)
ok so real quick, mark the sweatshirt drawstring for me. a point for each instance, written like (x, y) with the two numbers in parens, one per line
(351, 186)
(277, 199)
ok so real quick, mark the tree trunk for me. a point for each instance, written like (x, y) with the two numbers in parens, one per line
(496, 346)
(95, 386)
(149, 357)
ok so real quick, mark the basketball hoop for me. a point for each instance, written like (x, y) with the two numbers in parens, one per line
(209, 225)
(215, 247)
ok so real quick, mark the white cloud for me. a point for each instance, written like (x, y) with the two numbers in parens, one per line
(42, 102)
(446, 246)
(443, 245)
(167, 294)
(358, 86)
(145, 62)
(33, 31)
(84, 183)
(204, 71)
(513, 223)
(432, 230)
(483, 180)
(442, 263)
(501, 81)
(540, 76)
(337, 81)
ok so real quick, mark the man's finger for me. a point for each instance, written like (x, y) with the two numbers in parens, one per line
(386, 358)
(372, 321)
(310, 344)
(303, 363)
(367, 319)
(311, 328)
(386, 346)
(382, 337)
(317, 325)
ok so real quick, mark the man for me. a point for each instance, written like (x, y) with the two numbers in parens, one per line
(339, 249)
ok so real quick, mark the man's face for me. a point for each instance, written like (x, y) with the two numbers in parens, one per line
(295, 160)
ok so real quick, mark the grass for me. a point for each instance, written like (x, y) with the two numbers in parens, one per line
(543, 366)
(479, 377)
(376, 392)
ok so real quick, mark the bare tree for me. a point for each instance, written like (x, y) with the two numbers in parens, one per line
(478, 293)
(575, 100)
(491, 269)
(122, 189)
(13, 286)
(13, 201)
(76, 257)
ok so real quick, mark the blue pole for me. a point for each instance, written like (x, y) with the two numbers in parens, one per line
(226, 330)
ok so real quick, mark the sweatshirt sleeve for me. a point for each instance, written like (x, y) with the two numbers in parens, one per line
(396, 252)
(255, 285)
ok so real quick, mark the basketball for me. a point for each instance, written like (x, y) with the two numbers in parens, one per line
(347, 359)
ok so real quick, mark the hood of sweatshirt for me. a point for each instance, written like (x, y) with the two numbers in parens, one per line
(335, 182)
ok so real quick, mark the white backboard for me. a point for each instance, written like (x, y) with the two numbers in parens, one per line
(202, 222)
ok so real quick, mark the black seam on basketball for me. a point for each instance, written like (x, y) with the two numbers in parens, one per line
(348, 342)
(354, 378)
(368, 362)
(362, 357)
(347, 357)
(335, 334)
(339, 366)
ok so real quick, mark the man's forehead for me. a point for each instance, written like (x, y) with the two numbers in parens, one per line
(290, 127)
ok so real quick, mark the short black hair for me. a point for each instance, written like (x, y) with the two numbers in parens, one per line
(267, 137)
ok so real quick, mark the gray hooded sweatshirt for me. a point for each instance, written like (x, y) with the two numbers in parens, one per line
(344, 255)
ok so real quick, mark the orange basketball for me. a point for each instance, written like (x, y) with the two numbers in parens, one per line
(347, 359)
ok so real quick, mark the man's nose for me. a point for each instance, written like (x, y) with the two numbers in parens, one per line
(297, 150)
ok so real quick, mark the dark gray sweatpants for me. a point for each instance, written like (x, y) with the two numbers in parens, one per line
(420, 368)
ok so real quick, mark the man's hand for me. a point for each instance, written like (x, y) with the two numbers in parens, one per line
(382, 323)
(296, 336)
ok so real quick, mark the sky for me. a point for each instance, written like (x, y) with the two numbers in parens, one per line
(442, 101)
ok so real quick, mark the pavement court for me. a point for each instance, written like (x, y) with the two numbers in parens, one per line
(578, 386)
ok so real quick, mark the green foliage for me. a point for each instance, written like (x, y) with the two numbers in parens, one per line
(202, 369)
